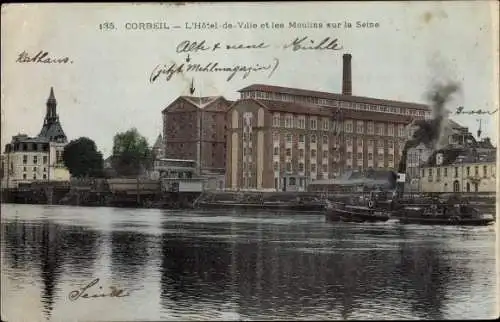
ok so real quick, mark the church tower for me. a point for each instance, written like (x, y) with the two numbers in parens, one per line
(52, 129)
(159, 147)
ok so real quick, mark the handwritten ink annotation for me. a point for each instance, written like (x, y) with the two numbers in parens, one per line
(82, 292)
(303, 43)
(212, 67)
(42, 57)
(460, 110)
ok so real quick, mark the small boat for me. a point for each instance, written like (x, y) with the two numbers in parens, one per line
(439, 214)
(448, 221)
(337, 211)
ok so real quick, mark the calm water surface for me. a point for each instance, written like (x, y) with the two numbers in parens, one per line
(230, 265)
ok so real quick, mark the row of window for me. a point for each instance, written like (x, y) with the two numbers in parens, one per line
(28, 147)
(468, 172)
(301, 168)
(35, 159)
(349, 140)
(25, 177)
(45, 158)
(313, 154)
(335, 126)
(35, 169)
(334, 103)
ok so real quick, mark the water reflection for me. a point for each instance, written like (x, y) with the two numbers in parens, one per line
(260, 267)
(49, 248)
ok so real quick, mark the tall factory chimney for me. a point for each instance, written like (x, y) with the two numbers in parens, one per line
(346, 75)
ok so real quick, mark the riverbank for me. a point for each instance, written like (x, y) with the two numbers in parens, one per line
(296, 201)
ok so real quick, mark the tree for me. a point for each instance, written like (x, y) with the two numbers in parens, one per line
(131, 153)
(82, 159)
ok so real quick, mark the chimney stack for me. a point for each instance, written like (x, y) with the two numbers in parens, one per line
(346, 75)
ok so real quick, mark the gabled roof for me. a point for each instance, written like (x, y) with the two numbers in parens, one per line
(158, 142)
(334, 96)
(455, 125)
(197, 101)
(201, 102)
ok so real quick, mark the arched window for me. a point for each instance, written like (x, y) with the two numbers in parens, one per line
(456, 186)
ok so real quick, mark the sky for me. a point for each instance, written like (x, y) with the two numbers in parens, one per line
(107, 89)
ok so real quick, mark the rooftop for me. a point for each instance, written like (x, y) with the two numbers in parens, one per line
(23, 138)
(159, 142)
(312, 109)
(334, 96)
(452, 156)
(199, 101)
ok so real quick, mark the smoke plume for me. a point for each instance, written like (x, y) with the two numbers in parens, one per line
(430, 132)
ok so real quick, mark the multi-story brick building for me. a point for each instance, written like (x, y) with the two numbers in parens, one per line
(283, 138)
(194, 128)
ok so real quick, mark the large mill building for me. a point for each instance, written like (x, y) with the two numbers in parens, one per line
(283, 138)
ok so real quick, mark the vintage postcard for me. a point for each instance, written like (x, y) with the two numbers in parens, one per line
(249, 161)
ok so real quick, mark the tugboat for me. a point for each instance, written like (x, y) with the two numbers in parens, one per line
(339, 211)
(442, 214)
(453, 211)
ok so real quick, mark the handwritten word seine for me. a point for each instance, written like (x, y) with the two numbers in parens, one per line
(187, 46)
(82, 292)
(213, 67)
(41, 57)
(460, 110)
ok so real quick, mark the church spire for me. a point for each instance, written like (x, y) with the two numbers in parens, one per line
(51, 106)
(51, 128)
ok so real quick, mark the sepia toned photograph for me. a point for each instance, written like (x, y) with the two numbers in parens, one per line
(249, 161)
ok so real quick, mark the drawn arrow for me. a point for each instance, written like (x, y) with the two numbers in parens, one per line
(192, 89)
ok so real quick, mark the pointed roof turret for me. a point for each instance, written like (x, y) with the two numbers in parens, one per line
(52, 97)
(52, 129)
(158, 142)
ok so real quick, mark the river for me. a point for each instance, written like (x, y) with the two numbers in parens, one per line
(234, 265)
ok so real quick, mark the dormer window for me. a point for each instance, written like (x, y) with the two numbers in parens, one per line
(439, 159)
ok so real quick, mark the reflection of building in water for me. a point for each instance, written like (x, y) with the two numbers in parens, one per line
(298, 136)
(266, 278)
(49, 250)
(29, 159)
(129, 255)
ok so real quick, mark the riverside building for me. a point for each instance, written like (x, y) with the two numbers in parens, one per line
(31, 159)
(283, 138)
